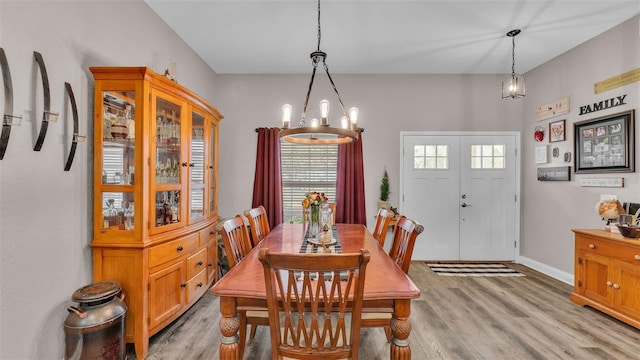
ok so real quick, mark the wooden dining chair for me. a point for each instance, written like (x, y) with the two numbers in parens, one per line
(237, 245)
(383, 219)
(405, 233)
(311, 319)
(258, 224)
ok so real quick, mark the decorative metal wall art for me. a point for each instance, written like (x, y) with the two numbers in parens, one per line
(76, 137)
(47, 115)
(8, 119)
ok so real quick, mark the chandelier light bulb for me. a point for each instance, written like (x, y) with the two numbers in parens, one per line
(324, 112)
(353, 116)
(314, 122)
(286, 115)
(344, 122)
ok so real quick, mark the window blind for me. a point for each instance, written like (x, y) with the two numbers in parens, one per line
(306, 168)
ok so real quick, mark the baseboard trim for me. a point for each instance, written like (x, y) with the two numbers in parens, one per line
(560, 275)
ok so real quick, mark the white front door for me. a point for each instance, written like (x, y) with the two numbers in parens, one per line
(463, 189)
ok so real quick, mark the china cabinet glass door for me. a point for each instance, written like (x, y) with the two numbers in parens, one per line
(167, 178)
(196, 168)
(211, 167)
(118, 159)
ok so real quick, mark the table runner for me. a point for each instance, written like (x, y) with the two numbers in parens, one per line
(308, 247)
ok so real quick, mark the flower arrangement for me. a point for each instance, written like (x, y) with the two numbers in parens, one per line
(314, 198)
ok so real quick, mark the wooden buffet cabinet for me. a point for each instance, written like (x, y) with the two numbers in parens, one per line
(155, 195)
(607, 274)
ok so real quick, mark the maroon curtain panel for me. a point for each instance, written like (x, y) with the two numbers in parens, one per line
(267, 184)
(350, 202)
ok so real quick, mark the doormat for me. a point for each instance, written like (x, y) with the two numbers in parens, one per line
(472, 270)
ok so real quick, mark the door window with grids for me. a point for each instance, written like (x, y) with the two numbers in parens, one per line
(306, 168)
(487, 157)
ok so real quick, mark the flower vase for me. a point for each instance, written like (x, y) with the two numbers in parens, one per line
(314, 221)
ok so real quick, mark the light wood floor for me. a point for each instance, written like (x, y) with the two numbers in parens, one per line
(510, 318)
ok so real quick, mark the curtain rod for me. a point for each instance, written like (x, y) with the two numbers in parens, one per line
(359, 129)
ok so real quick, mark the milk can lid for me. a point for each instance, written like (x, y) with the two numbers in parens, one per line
(97, 292)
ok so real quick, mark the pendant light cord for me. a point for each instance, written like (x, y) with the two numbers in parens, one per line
(513, 55)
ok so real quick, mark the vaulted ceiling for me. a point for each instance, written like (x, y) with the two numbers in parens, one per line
(387, 37)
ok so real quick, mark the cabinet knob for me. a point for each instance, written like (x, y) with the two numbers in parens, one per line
(616, 286)
(213, 233)
(191, 164)
(199, 263)
(609, 284)
(184, 164)
(179, 248)
(637, 257)
(210, 265)
(199, 284)
(592, 246)
(183, 285)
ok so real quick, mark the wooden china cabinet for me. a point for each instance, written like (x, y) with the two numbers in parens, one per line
(155, 195)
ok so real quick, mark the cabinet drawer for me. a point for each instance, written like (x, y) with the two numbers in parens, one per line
(172, 249)
(207, 234)
(196, 286)
(196, 263)
(611, 249)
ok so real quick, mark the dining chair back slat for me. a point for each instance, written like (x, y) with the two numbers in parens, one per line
(404, 238)
(236, 239)
(309, 317)
(258, 224)
(383, 219)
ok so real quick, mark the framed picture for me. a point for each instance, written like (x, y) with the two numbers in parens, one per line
(556, 131)
(605, 144)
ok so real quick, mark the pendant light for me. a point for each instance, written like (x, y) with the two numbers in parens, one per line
(320, 132)
(514, 86)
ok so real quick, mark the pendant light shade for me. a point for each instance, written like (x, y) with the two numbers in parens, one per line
(514, 86)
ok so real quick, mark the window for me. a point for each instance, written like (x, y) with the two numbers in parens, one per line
(306, 168)
(487, 157)
(431, 156)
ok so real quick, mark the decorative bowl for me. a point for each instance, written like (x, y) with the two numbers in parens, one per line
(629, 231)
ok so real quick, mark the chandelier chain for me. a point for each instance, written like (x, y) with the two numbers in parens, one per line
(319, 31)
(315, 60)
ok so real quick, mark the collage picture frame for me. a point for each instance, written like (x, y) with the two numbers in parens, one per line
(605, 144)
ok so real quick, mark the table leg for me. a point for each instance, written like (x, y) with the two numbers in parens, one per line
(400, 330)
(229, 326)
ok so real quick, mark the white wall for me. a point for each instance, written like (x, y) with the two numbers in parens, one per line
(45, 218)
(551, 209)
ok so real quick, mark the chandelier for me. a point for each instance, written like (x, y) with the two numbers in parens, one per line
(320, 132)
(514, 86)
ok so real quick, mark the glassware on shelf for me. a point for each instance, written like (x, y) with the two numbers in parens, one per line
(129, 121)
(128, 216)
(106, 129)
(119, 128)
(167, 207)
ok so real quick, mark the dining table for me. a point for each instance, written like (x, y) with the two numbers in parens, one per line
(387, 288)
